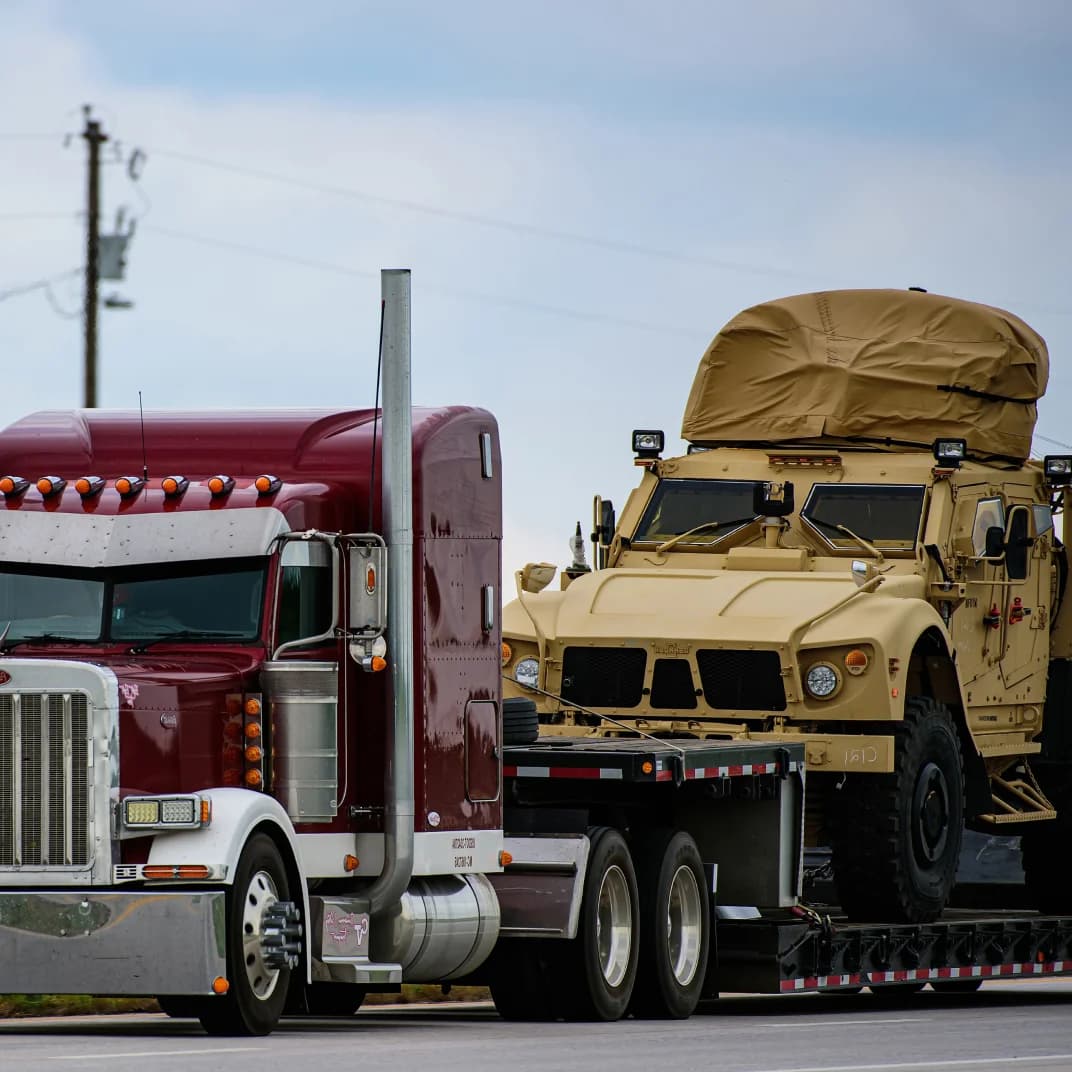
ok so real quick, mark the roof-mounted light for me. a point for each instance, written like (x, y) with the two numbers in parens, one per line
(648, 444)
(13, 486)
(220, 485)
(129, 486)
(51, 485)
(174, 486)
(267, 484)
(89, 486)
(1057, 467)
(949, 453)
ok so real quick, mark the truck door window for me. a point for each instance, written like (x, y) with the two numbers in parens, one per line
(680, 505)
(37, 604)
(305, 605)
(1017, 544)
(887, 515)
(989, 513)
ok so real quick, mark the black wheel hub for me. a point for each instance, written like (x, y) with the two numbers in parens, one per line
(930, 814)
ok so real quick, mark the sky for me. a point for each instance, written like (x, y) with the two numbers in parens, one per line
(585, 192)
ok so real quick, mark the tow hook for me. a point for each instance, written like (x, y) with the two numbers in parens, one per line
(993, 619)
(281, 933)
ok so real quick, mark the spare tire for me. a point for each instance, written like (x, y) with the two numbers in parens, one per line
(520, 723)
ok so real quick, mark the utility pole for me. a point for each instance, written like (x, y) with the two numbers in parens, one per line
(95, 137)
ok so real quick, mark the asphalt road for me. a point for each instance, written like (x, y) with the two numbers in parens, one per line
(1010, 1025)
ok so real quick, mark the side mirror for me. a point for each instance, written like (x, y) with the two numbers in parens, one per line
(862, 571)
(994, 542)
(536, 576)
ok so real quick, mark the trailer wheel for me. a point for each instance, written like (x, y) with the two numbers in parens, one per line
(518, 980)
(259, 982)
(593, 975)
(895, 838)
(675, 926)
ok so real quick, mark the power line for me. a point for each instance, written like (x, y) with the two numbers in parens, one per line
(38, 215)
(15, 136)
(38, 284)
(452, 292)
(497, 223)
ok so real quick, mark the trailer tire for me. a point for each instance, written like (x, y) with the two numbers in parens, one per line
(518, 980)
(675, 926)
(593, 975)
(895, 838)
(255, 1000)
(521, 723)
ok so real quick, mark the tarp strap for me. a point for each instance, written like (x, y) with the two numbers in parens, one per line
(973, 393)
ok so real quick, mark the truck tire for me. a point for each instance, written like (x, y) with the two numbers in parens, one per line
(258, 992)
(675, 926)
(519, 981)
(593, 975)
(895, 838)
(521, 723)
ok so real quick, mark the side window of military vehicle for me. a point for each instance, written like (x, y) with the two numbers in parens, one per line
(885, 514)
(305, 591)
(678, 506)
(1018, 543)
(1043, 519)
(989, 513)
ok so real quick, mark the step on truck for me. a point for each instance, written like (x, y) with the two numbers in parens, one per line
(255, 760)
(855, 554)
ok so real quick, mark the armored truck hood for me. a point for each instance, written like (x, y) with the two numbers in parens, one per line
(734, 605)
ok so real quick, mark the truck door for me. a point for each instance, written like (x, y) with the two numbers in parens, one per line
(1025, 647)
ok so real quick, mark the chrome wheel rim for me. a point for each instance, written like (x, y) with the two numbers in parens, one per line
(614, 926)
(260, 896)
(684, 925)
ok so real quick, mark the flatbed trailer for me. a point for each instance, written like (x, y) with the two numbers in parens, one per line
(742, 803)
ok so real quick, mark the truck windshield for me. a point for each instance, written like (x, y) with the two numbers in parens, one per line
(679, 506)
(221, 600)
(884, 514)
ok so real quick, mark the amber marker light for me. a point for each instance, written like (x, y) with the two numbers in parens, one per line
(174, 486)
(129, 486)
(267, 485)
(350, 862)
(253, 707)
(11, 486)
(253, 778)
(254, 754)
(507, 653)
(206, 811)
(857, 661)
(88, 486)
(220, 985)
(220, 485)
(51, 485)
(378, 663)
(253, 730)
(505, 858)
(647, 766)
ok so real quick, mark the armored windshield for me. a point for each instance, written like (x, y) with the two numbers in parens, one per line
(196, 601)
(887, 515)
(721, 507)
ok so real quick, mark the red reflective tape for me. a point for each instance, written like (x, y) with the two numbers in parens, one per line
(664, 776)
(574, 772)
(509, 772)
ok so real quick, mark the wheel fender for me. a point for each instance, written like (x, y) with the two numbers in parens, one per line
(236, 813)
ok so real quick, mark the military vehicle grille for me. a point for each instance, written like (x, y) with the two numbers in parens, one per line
(671, 685)
(603, 677)
(44, 780)
(741, 680)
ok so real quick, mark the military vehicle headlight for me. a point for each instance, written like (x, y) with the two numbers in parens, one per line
(1058, 468)
(822, 680)
(527, 672)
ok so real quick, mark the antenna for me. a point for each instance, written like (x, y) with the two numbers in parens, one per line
(144, 461)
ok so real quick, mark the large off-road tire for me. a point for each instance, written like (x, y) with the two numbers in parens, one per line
(519, 980)
(675, 926)
(521, 723)
(1045, 856)
(258, 992)
(895, 838)
(593, 975)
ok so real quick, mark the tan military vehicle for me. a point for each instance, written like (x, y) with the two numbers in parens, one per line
(856, 553)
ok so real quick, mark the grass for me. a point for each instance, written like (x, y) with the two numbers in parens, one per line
(84, 1005)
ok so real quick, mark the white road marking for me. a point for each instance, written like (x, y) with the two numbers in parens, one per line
(916, 1066)
(847, 1023)
(152, 1053)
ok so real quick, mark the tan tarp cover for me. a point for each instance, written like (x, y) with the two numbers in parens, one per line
(852, 364)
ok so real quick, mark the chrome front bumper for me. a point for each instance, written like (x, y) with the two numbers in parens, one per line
(132, 943)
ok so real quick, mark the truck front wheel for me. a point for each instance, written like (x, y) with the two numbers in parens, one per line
(258, 992)
(895, 838)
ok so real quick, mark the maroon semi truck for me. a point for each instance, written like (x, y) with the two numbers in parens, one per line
(254, 758)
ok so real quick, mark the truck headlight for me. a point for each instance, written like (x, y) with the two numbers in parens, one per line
(527, 672)
(166, 813)
(822, 680)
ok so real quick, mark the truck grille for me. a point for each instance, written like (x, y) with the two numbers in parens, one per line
(603, 677)
(44, 780)
(671, 685)
(741, 680)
